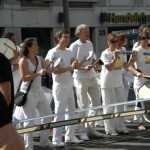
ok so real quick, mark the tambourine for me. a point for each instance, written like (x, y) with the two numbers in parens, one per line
(7, 47)
(58, 62)
(90, 56)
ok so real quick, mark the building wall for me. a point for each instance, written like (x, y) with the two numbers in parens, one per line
(14, 17)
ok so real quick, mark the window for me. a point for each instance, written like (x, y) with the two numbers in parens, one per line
(81, 4)
(35, 3)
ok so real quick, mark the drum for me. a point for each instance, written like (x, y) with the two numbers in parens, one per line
(7, 47)
(144, 92)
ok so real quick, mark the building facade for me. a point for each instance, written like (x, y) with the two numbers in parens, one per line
(41, 19)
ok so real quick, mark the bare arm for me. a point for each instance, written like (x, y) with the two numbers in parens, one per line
(5, 88)
(74, 63)
(23, 67)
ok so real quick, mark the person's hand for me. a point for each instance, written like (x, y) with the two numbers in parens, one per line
(133, 57)
(116, 54)
(16, 55)
(42, 72)
(139, 74)
(74, 64)
(87, 68)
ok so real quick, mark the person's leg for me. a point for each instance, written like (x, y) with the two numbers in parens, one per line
(29, 110)
(119, 122)
(95, 95)
(83, 100)
(108, 96)
(43, 109)
(9, 139)
(138, 118)
(60, 99)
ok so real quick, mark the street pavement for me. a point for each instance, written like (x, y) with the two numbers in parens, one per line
(135, 140)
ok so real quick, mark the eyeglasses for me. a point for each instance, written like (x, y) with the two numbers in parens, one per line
(114, 41)
(144, 38)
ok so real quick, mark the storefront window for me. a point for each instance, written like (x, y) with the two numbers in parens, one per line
(42, 35)
(35, 3)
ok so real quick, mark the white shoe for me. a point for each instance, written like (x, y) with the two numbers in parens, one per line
(113, 133)
(47, 143)
(84, 137)
(58, 144)
(95, 134)
(128, 121)
(75, 140)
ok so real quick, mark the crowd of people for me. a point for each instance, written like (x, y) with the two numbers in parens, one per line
(75, 63)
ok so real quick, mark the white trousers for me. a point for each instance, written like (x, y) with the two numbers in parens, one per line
(111, 96)
(138, 118)
(88, 95)
(64, 101)
(36, 100)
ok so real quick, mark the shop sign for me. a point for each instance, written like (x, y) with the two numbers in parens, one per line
(112, 17)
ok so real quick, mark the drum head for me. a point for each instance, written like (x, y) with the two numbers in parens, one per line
(144, 93)
(57, 62)
(7, 47)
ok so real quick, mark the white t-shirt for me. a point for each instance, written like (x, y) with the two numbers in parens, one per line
(143, 65)
(62, 79)
(81, 51)
(111, 79)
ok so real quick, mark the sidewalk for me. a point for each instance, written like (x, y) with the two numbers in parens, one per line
(135, 140)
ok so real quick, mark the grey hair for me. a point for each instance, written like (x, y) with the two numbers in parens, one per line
(79, 29)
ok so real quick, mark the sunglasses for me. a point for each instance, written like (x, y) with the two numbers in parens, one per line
(144, 38)
(114, 41)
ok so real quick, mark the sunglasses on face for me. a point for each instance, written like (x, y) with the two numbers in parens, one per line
(144, 38)
(114, 41)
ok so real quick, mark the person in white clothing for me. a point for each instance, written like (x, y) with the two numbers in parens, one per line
(15, 65)
(143, 28)
(112, 85)
(122, 42)
(36, 100)
(62, 87)
(141, 66)
(86, 85)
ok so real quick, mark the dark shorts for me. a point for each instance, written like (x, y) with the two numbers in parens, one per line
(5, 116)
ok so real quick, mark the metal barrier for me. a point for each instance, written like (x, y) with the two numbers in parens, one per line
(81, 120)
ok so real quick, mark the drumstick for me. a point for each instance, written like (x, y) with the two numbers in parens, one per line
(9, 46)
(145, 76)
(97, 62)
(50, 63)
(78, 53)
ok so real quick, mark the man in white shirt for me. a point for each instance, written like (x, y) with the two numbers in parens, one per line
(62, 87)
(85, 81)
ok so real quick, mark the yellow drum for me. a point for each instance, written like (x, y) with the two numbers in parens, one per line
(144, 93)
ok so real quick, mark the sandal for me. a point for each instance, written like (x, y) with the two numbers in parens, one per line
(141, 127)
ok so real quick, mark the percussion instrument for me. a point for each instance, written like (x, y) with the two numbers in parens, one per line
(144, 92)
(58, 62)
(7, 47)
